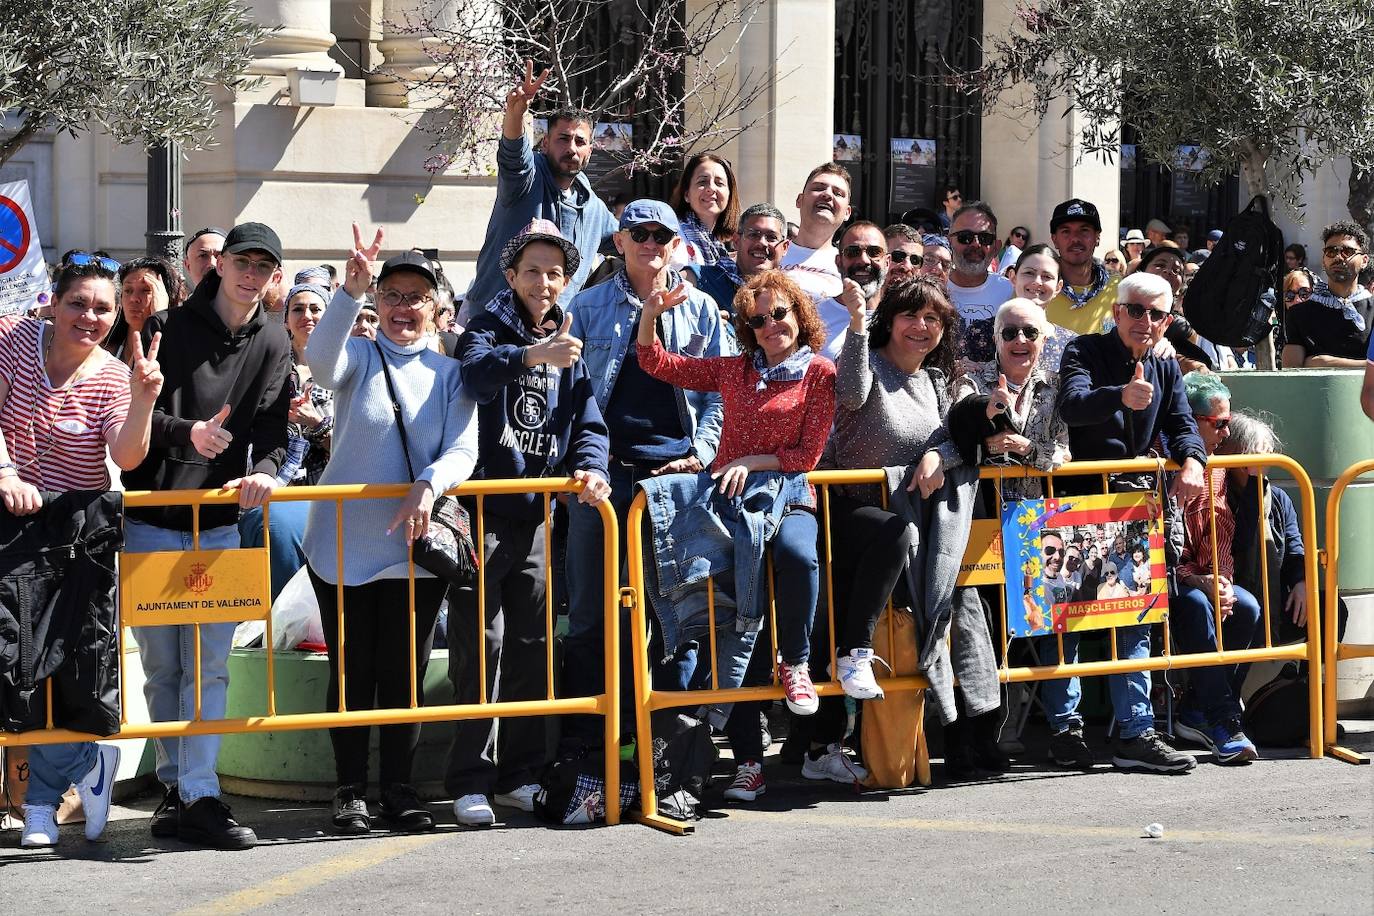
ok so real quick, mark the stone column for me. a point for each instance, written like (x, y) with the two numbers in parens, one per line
(406, 47)
(302, 39)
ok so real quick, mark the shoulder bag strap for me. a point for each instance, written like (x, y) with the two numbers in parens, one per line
(396, 410)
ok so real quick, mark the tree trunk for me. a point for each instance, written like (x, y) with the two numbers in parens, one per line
(15, 142)
(1360, 202)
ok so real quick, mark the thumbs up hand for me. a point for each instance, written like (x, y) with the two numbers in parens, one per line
(561, 350)
(209, 436)
(1138, 393)
(999, 399)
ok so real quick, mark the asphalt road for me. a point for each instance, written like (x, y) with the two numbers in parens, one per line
(1279, 836)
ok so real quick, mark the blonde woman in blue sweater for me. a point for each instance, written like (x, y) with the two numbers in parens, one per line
(440, 424)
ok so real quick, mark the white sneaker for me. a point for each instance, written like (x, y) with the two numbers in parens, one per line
(835, 764)
(474, 811)
(96, 787)
(521, 798)
(40, 826)
(856, 674)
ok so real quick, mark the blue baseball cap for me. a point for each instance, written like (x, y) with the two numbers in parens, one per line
(642, 211)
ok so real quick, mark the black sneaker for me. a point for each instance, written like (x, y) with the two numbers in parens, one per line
(207, 822)
(1151, 752)
(1068, 749)
(167, 815)
(403, 810)
(350, 810)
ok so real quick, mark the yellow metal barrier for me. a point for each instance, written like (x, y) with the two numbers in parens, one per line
(648, 700)
(606, 704)
(1333, 653)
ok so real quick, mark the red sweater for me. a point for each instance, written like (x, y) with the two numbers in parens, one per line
(788, 419)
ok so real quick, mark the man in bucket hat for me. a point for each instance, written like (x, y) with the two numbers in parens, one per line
(537, 416)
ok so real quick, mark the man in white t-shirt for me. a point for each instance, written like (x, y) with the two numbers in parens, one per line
(863, 263)
(976, 294)
(824, 206)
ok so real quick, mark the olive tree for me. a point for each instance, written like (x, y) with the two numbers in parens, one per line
(1272, 89)
(142, 71)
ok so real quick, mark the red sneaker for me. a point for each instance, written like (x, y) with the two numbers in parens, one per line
(797, 687)
(748, 783)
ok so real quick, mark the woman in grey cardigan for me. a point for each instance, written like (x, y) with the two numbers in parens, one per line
(440, 424)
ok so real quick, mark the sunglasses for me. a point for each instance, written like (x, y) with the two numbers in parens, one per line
(1019, 235)
(1138, 311)
(1297, 295)
(968, 236)
(1030, 332)
(899, 256)
(1051, 551)
(955, 196)
(777, 313)
(1116, 261)
(82, 259)
(661, 235)
(1218, 423)
(873, 251)
(1341, 252)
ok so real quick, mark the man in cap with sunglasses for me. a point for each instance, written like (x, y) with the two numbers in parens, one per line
(536, 417)
(548, 183)
(1118, 397)
(975, 292)
(224, 402)
(654, 428)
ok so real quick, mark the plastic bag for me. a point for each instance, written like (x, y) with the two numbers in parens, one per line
(296, 614)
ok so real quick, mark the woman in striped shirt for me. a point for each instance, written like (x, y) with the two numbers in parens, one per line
(63, 402)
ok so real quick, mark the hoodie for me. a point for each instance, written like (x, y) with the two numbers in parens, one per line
(532, 421)
(205, 366)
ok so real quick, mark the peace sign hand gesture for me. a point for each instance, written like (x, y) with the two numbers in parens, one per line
(145, 384)
(519, 99)
(358, 271)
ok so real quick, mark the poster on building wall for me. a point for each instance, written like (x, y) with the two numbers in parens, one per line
(1084, 563)
(23, 272)
(848, 151)
(913, 173)
(1189, 199)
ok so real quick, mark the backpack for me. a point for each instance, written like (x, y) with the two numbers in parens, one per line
(573, 790)
(1226, 302)
(1276, 715)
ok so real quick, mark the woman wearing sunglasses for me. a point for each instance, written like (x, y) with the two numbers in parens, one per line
(1297, 287)
(1192, 351)
(1115, 262)
(779, 398)
(707, 205)
(1210, 712)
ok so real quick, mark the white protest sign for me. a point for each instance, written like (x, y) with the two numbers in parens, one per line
(23, 273)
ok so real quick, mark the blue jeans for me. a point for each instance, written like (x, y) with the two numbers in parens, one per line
(53, 768)
(1215, 690)
(1130, 692)
(796, 583)
(169, 685)
(285, 550)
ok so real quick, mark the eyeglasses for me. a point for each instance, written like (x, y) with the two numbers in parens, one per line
(899, 256)
(873, 251)
(262, 269)
(1138, 311)
(754, 235)
(83, 259)
(392, 298)
(661, 235)
(1298, 295)
(1030, 332)
(777, 313)
(1218, 422)
(1342, 252)
(935, 261)
(967, 237)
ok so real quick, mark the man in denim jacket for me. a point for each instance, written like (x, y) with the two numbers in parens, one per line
(548, 184)
(654, 427)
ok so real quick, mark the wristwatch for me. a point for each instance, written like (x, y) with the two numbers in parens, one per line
(8, 466)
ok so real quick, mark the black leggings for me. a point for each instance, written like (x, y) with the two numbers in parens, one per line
(377, 667)
(869, 549)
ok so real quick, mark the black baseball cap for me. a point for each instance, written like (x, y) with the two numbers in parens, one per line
(412, 261)
(1075, 209)
(253, 237)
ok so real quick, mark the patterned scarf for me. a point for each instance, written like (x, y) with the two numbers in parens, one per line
(792, 369)
(503, 306)
(695, 233)
(1099, 282)
(1322, 295)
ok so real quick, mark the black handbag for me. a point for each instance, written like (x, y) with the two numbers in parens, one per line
(447, 549)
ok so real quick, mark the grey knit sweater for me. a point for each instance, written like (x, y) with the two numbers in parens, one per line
(440, 421)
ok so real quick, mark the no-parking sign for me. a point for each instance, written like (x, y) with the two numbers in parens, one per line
(23, 274)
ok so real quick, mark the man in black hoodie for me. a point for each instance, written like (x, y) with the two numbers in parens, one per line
(537, 416)
(223, 404)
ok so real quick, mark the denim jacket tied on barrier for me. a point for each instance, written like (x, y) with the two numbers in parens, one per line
(604, 319)
(698, 534)
(58, 619)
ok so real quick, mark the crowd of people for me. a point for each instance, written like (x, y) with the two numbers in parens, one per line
(704, 352)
